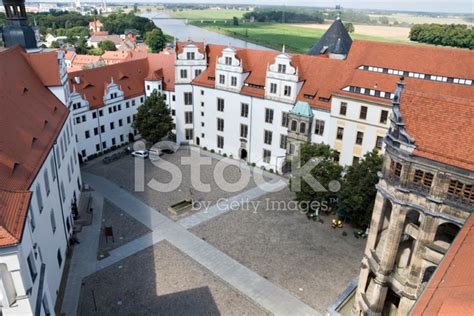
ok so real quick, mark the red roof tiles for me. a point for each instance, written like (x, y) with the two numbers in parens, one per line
(129, 75)
(25, 139)
(443, 127)
(450, 292)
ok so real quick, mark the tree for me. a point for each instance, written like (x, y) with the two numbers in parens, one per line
(107, 46)
(155, 40)
(325, 172)
(153, 119)
(235, 21)
(357, 195)
(349, 27)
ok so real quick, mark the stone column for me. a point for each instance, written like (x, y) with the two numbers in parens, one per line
(377, 220)
(394, 233)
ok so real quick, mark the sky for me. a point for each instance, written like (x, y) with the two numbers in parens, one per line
(455, 6)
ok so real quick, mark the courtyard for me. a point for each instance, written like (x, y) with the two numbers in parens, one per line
(238, 253)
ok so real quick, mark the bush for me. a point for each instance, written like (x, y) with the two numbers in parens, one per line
(224, 155)
(213, 151)
(253, 164)
(271, 170)
(204, 148)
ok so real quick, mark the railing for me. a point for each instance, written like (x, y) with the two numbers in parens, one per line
(458, 201)
(419, 188)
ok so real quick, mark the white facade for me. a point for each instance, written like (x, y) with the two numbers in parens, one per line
(37, 263)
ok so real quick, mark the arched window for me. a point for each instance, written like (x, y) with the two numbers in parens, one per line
(446, 233)
(294, 125)
(302, 127)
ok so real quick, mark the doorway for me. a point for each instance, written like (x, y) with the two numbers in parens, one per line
(243, 154)
(131, 138)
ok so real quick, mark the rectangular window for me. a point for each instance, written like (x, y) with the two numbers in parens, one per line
(395, 169)
(87, 134)
(220, 105)
(220, 142)
(363, 113)
(46, 181)
(267, 137)
(283, 141)
(379, 142)
(267, 154)
(343, 108)
(53, 221)
(281, 68)
(94, 115)
(384, 117)
(221, 79)
(112, 125)
(244, 110)
(287, 91)
(233, 81)
(190, 55)
(63, 192)
(273, 88)
(39, 198)
(32, 220)
(129, 120)
(120, 122)
(184, 73)
(269, 116)
(188, 117)
(113, 141)
(197, 72)
(244, 129)
(284, 119)
(101, 113)
(53, 173)
(59, 257)
(32, 267)
(319, 127)
(460, 190)
(220, 124)
(422, 178)
(188, 133)
(188, 98)
(228, 61)
(340, 133)
(355, 160)
(359, 138)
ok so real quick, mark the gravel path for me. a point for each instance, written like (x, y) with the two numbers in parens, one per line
(160, 280)
(311, 260)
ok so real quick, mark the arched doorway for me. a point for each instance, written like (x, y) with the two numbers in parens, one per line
(243, 154)
(131, 138)
(198, 141)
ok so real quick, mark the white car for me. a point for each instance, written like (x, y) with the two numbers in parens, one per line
(140, 154)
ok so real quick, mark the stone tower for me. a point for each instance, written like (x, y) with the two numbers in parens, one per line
(420, 206)
(17, 31)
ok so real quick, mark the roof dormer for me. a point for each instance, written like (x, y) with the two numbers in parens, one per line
(282, 79)
(229, 71)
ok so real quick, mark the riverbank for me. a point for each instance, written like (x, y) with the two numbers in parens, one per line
(297, 39)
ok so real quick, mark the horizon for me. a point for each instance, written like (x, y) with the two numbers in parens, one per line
(426, 6)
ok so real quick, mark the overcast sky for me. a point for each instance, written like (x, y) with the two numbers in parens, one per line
(458, 6)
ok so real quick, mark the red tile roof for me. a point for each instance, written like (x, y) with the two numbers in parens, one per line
(450, 292)
(30, 121)
(129, 75)
(180, 45)
(443, 127)
(323, 77)
(82, 60)
(46, 67)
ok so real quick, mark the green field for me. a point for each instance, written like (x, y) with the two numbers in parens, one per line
(207, 14)
(275, 35)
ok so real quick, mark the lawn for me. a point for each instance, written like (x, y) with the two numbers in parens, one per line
(275, 35)
(207, 14)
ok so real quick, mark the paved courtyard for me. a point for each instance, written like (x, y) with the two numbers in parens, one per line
(244, 259)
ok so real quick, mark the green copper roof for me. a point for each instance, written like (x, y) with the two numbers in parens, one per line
(302, 109)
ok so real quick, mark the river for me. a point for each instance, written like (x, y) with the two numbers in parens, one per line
(182, 31)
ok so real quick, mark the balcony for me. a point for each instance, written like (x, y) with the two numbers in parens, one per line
(419, 188)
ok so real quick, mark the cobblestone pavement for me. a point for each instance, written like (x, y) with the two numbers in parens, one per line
(263, 293)
(124, 227)
(310, 259)
(122, 173)
(160, 280)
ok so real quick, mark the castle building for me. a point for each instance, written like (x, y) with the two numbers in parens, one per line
(39, 171)
(425, 194)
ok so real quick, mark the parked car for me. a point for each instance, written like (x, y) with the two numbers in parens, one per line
(155, 154)
(140, 154)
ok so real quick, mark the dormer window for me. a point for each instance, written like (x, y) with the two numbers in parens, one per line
(287, 91)
(281, 68)
(221, 79)
(233, 81)
(190, 56)
(113, 95)
(184, 73)
(228, 61)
